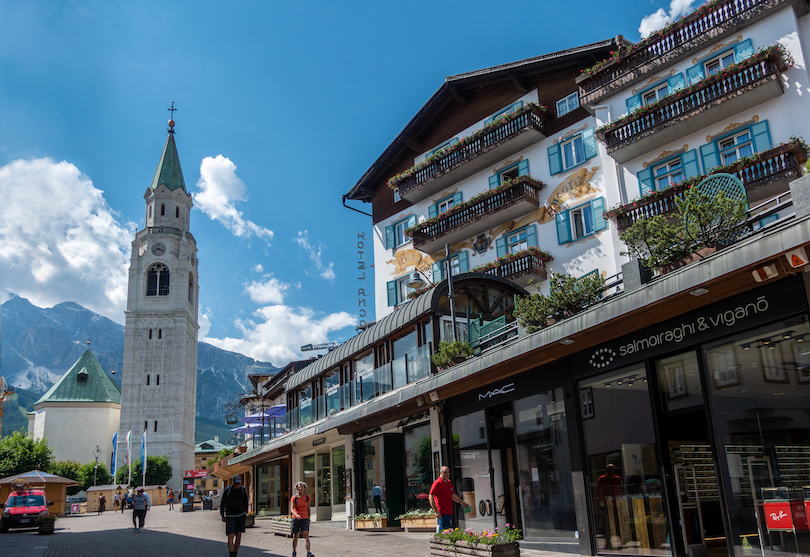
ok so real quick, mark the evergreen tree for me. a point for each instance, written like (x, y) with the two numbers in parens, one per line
(20, 452)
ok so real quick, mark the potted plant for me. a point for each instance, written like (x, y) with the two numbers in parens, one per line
(451, 353)
(46, 524)
(701, 224)
(418, 520)
(480, 544)
(250, 520)
(568, 295)
(370, 521)
(280, 525)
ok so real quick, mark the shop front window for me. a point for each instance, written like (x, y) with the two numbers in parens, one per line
(308, 470)
(373, 475)
(270, 489)
(324, 480)
(339, 475)
(624, 476)
(544, 465)
(418, 467)
(760, 396)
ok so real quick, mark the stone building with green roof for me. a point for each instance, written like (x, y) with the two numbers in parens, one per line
(80, 411)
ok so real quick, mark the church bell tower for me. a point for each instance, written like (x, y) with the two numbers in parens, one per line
(159, 385)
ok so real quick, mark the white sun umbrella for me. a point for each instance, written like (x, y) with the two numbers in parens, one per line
(247, 428)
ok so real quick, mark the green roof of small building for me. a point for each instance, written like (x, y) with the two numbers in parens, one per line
(168, 171)
(86, 381)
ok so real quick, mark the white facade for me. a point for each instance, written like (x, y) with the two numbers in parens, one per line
(57, 422)
(160, 348)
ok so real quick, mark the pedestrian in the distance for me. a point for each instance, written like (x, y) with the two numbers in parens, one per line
(102, 503)
(299, 507)
(233, 508)
(140, 504)
(170, 499)
(117, 501)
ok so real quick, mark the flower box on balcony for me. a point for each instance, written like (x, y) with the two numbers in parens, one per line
(462, 549)
(520, 267)
(466, 220)
(711, 100)
(503, 137)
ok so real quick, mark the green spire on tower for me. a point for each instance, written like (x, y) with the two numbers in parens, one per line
(168, 171)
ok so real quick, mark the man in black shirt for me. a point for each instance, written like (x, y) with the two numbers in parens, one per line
(234, 508)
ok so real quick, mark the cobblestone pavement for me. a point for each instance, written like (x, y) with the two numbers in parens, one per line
(202, 534)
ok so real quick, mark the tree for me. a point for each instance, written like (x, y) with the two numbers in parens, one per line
(68, 469)
(103, 476)
(20, 453)
(158, 472)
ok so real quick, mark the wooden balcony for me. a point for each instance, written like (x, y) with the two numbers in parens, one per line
(508, 202)
(499, 141)
(707, 102)
(766, 177)
(706, 25)
(521, 270)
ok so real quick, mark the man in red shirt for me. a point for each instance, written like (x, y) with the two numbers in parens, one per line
(299, 508)
(442, 495)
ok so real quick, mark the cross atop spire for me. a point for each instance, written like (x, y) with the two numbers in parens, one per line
(171, 117)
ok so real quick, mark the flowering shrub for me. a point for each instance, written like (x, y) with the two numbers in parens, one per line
(418, 292)
(370, 516)
(282, 518)
(394, 181)
(487, 537)
(418, 513)
(541, 254)
(762, 54)
(795, 143)
(473, 200)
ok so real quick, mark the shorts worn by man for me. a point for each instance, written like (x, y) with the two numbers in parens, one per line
(442, 495)
(234, 508)
(299, 508)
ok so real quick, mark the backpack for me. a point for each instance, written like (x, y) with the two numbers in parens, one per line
(297, 496)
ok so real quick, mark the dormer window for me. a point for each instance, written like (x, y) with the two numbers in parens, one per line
(82, 376)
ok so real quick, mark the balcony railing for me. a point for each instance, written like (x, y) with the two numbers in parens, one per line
(511, 200)
(780, 163)
(162, 230)
(661, 123)
(520, 270)
(498, 141)
(707, 23)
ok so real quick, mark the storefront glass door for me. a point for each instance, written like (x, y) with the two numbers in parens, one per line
(324, 483)
(418, 467)
(271, 489)
(308, 470)
(625, 478)
(373, 475)
(339, 478)
(760, 397)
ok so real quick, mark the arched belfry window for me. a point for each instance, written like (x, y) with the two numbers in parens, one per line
(157, 280)
(191, 288)
(177, 212)
(162, 210)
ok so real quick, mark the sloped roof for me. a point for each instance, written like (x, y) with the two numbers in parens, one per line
(36, 477)
(168, 171)
(210, 446)
(86, 381)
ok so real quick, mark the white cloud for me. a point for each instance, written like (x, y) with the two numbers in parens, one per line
(326, 272)
(660, 18)
(204, 322)
(60, 240)
(257, 268)
(269, 290)
(279, 331)
(220, 189)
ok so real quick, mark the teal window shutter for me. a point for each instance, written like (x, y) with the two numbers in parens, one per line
(645, 181)
(694, 74)
(389, 237)
(762, 137)
(494, 181)
(523, 167)
(555, 159)
(743, 50)
(392, 293)
(633, 103)
(500, 246)
(456, 198)
(589, 142)
(676, 83)
(563, 227)
(437, 269)
(531, 235)
(433, 210)
(463, 262)
(708, 156)
(598, 207)
(690, 164)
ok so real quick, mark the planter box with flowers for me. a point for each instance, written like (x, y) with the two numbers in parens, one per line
(484, 544)
(280, 525)
(418, 521)
(450, 354)
(46, 524)
(520, 267)
(370, 521)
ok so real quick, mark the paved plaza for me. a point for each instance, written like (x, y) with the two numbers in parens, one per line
(202, 534)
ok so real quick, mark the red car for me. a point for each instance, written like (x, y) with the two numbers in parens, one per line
(23, 509)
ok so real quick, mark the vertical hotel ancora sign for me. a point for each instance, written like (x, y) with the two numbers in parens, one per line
(361, 265)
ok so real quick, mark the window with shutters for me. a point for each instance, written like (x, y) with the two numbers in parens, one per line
(572, 152)
(449, 143)
(504, 111)
(581, 221)
(397, 197)
(735, 145)
(395, 234)
(459, 263)
(655, 94)
(509, 174)
(668, 172)
(566, 105)
(499, 177)
(718, 61)
(516, 241)
(398, 290)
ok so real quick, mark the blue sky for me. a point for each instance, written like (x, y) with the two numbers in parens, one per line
(282, 106)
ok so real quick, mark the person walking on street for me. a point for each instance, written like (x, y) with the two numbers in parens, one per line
(170, 499)
(376, 494)
(102, 503)
(117, 501)
(442, 495)
(140, 504)
(299, 507)
(233, 508)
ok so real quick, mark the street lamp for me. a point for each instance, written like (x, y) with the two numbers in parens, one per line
(415, 281)
(96, 453)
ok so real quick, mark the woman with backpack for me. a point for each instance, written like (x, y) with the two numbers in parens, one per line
(299, 508)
